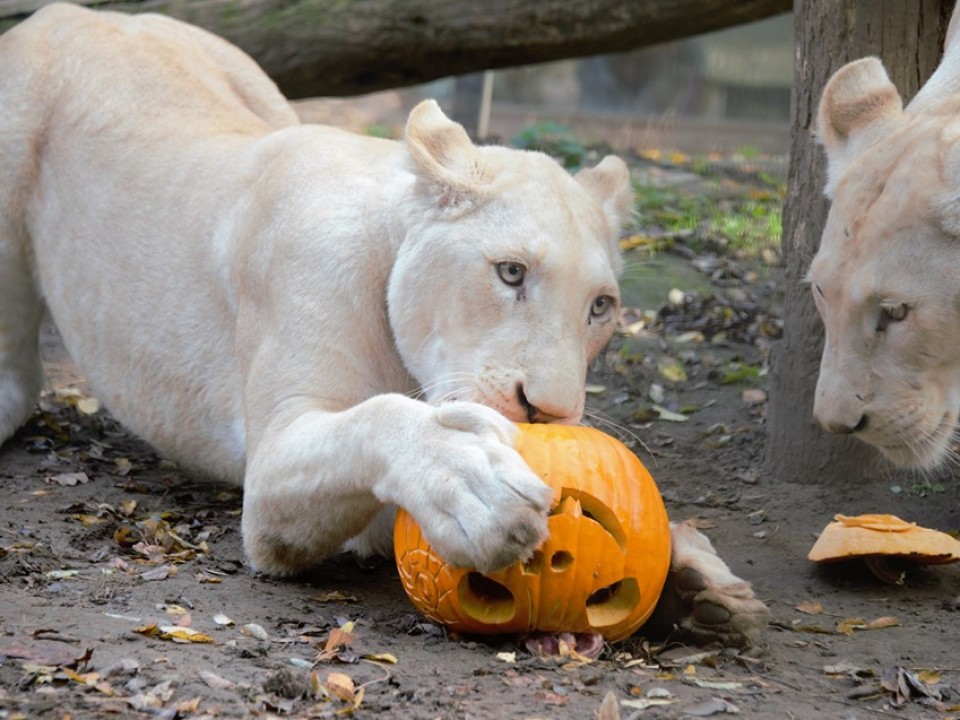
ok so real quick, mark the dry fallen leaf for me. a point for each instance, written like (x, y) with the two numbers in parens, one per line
(61, 574)
(182, 634)
(905, 686)
(646, 703)
(810, 607)
(215, 681)
(159, 573)
(340, 686)
(381, 658)
(672, 370)
(173, 632)
(609, 710)
(188, 707)
(669, 415)
(332, 596)
(255, 631)
(848, 626)
(338, 641)
(713, 706)
(69, 479)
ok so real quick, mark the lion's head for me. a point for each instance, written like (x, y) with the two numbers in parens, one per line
(505, 286)
(886, 279)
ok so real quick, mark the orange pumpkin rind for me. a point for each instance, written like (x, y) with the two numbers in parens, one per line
(874, 535)
(601, 569)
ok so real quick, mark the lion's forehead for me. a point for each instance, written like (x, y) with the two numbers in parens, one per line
(885, 222)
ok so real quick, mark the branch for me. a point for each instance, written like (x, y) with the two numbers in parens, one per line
(347, 47)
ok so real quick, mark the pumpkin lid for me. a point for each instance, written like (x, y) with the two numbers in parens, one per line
(887, 535)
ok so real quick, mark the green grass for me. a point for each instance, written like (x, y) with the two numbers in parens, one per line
(554, 139)
(745, 225)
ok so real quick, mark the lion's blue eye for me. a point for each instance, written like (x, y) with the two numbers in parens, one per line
(512, 273)
(601, 306)
(891, 311)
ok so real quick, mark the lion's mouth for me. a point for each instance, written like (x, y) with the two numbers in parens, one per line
(927, 450)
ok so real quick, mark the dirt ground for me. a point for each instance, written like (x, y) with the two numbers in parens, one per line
(109, 555)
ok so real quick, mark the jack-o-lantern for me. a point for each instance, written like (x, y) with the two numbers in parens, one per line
(601, 569)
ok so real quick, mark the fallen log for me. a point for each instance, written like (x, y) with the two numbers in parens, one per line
(348, 47)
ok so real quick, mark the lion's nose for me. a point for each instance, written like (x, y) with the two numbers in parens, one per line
(843, 426)
(535, 414)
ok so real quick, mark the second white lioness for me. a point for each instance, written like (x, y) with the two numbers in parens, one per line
(885, 278)
(259, 299)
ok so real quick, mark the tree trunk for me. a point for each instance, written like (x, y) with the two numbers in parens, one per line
(908, 38)
(346, 47)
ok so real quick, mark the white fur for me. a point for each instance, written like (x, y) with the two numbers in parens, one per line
(261, 299)
(258, 298)
(891, 240)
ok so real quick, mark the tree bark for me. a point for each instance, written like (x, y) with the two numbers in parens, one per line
(346, 47)
(908, 38)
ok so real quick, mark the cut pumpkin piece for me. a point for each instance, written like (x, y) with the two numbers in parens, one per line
(885, 543)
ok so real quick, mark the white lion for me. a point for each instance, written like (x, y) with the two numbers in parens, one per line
(885, 277)
(260, 299)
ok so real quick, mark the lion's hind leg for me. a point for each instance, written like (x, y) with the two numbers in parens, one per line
(21, 312)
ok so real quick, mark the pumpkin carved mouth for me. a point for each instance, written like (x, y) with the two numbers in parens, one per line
(488, 601)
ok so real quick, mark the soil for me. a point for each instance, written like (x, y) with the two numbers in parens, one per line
(104, 546)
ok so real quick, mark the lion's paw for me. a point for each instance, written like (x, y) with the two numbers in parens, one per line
(703, 600)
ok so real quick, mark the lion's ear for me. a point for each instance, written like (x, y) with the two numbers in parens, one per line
(859, 106)
(609, 184)
(445, 161)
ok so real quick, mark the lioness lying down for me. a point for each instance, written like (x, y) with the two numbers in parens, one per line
(261, 299)
(886, 279)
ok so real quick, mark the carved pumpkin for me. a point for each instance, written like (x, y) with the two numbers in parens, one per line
(601, 569)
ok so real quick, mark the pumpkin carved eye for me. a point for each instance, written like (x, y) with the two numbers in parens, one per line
(891, 311)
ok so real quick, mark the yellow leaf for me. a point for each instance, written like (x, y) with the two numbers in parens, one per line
(810, 607)
(340, 686)
(382, 657)
(850, 624)
(148, 630)
(928, 677)
(847, 627)
(183, 634)
(187, 707)
(883, 622)
(507, 657)
(635, 241)
(672, 370)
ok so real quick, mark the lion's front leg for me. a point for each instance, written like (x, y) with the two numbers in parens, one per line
(703, 599)
(316, 479)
